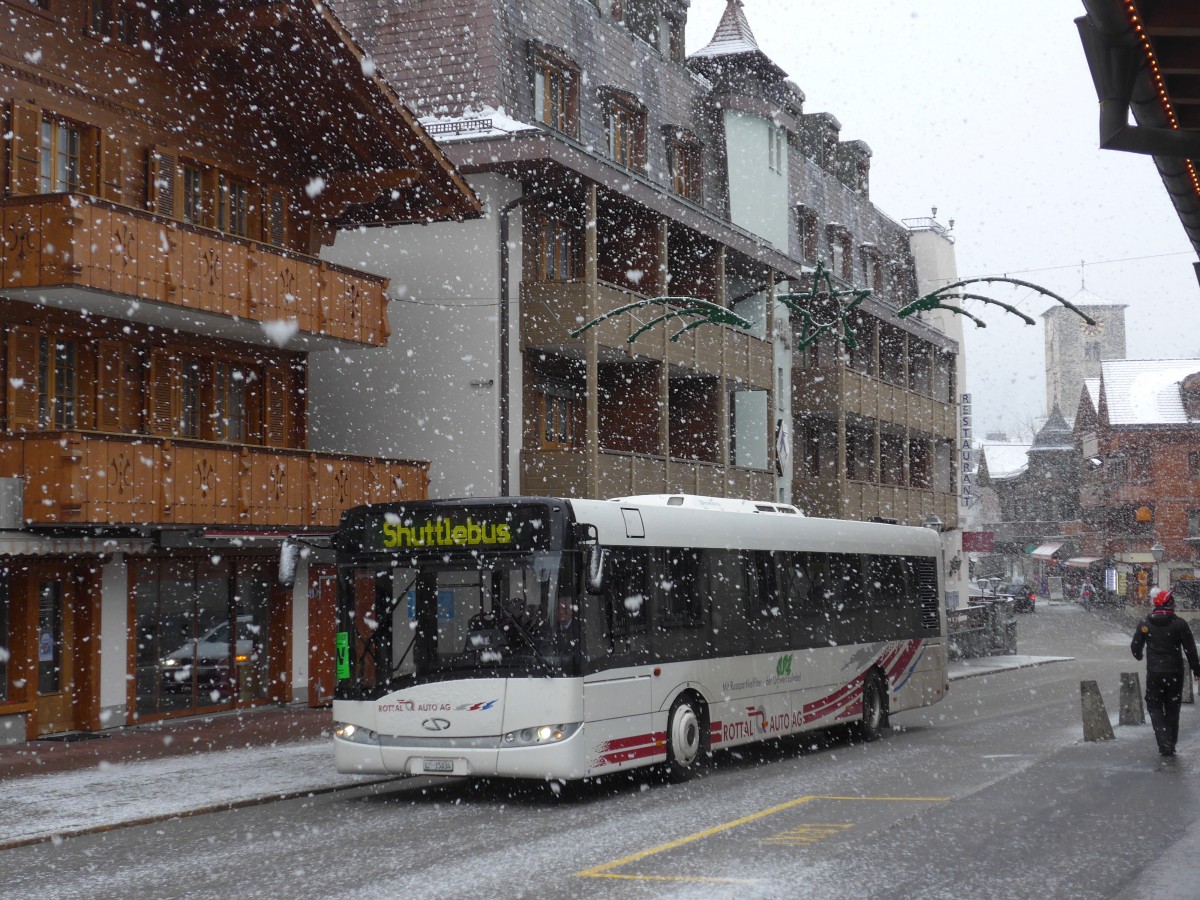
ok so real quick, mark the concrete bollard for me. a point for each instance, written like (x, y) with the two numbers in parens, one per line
(1096, 726)
(1133, 711)
(1189, 687)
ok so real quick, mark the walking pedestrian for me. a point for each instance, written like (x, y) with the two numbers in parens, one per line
(1086, 593)
(1166, 639)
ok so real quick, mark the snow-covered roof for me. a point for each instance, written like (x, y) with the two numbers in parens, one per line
(1004, 460)
(1146, 391)
(471, 126)
(1093, 389)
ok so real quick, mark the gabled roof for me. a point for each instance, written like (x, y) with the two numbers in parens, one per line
(296, 65)
(1004, 460)
(1145, 391)
(733, 50)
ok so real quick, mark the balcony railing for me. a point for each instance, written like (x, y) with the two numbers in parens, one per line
(70, 241)
(564, 473)
(89, 479)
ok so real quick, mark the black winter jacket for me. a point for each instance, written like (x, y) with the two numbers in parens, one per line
(1163, 636)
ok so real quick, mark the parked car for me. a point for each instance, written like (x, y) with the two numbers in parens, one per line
(1023, 597)
(209, 655)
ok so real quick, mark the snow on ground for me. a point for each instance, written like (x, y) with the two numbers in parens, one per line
(41, 806)
(44, 806)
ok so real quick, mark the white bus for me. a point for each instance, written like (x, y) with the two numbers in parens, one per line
(566, 639)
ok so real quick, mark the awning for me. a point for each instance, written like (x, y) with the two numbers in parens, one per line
(1082, 562)
(1045, 551)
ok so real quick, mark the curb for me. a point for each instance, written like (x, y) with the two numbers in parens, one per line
(198, 811)
(970, 673)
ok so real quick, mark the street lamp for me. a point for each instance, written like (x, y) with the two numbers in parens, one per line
(1157, 552)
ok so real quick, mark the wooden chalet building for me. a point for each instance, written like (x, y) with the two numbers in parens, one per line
(170, 172)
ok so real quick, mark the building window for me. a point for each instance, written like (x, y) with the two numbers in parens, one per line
(233, 205)
(556, 255)
(1138, 460)
(195, 208)
(191, 415)
(806, 232)
(684, 160)
(58, 385)
(860, 453)
(920, 366)
(776, 149)
(557, 429)
(555, 95)
(1194, 464)
(920, 464)
(125, 21)
(641, 17)
(841, 260)
(60, 157)
(626, 134)
(229, 410)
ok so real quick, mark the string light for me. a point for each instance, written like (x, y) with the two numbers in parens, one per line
(1160, 85)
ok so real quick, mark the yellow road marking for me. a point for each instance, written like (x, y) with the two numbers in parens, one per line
(605, 870)
(804, 834)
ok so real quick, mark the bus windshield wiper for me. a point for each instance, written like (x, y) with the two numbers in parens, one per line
(386, 631)
(528, 638)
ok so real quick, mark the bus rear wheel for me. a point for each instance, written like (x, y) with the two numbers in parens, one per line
(684, 740)
(874, 709)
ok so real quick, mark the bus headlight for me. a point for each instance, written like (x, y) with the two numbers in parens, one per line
(540, 734)
(356, 734)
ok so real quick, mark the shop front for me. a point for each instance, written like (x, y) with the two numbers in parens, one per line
(209, 632)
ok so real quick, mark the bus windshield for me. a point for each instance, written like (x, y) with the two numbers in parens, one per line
(422, 619)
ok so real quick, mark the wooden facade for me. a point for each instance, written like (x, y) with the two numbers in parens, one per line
(164, 195)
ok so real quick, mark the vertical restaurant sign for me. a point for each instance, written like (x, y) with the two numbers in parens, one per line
(966, 457)
(342, 647)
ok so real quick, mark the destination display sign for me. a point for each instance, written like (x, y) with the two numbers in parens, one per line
(433, 528)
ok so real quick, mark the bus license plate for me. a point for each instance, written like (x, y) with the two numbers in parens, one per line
(438, 765)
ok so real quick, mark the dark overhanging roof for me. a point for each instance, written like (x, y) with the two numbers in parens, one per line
(1144, 57)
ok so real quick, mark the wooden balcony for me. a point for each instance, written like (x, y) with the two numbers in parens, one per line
(76, 251)
(90, 479)
(550, 310)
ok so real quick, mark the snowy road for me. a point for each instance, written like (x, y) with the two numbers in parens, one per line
(990, 794)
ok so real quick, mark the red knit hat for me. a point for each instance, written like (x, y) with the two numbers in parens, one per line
(1164, 600)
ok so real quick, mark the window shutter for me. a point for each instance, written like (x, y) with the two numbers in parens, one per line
(275, 217)
(118, 388)
(162, 183)
(275, 407)
(256, 221)
(112, 168)
(23, 169)
(85, 385)
(163, 397)
(22, 378)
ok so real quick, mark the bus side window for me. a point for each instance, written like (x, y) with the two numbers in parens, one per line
(768, 600)
(682, 603)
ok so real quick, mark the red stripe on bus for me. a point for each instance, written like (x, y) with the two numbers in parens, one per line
(636, 740)
(629, 755)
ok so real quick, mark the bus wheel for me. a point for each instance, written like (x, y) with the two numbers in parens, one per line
(684, 741)
(874, 712)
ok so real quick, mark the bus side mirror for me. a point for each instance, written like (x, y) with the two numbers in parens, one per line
(594, 573)
(289, 558)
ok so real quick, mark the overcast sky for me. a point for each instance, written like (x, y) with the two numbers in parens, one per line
(986, 110)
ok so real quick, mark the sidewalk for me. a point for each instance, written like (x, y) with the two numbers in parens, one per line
(148, 773)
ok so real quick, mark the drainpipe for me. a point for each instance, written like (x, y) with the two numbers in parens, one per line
(505, 212)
